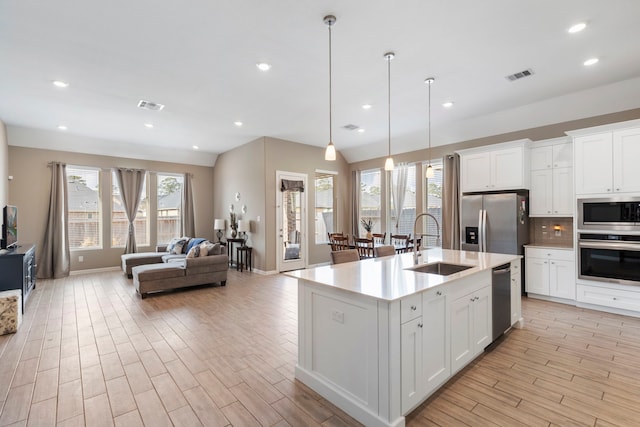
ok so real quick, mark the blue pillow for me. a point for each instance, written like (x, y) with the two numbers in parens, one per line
(194, 242)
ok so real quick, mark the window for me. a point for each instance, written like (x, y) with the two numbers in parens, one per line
(370, 200)
(83, 187)
(433, 203)
(325, 214)
(408, 214)
(119, 222)
(169, 205)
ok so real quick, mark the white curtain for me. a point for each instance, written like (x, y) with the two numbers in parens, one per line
(398, 189)
(55, 260)
(131, 182)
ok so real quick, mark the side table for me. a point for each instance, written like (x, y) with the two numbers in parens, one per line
(230, 244)
(244, 255)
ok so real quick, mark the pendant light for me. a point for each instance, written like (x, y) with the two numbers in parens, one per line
(430, 172)
(388, 164)
(330, 152)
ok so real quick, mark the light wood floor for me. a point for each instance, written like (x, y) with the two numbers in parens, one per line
(90, 352)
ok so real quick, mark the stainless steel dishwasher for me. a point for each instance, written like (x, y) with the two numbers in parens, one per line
(501, 299)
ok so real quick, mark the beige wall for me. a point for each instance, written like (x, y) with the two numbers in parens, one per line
(30, 191)
(4, 166)
(251, 170)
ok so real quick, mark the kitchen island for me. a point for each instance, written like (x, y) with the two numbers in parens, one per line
(377, 338)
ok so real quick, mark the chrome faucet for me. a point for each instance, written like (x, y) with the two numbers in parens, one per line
(415, 240)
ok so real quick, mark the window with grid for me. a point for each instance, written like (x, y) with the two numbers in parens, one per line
(325, 213)
(85, 216)
(370, 200)
(433, 204)
(119, 222)
(169, 207)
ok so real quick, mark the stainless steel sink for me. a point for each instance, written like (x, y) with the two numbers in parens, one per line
(441, 268)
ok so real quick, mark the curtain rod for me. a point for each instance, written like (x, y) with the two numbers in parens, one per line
(191, 175)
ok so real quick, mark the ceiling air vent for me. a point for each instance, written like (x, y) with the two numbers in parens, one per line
(522, 74)
(151, 106)
(351, 127)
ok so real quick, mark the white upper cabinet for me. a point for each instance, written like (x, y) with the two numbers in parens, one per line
(495, 167)
(551, 190)
(606, 161)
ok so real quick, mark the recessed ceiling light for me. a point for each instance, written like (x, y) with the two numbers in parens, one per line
(361, 130)
(195, 147)
(591, 61)
(238, 123)
(62, 127)
(577, 27)
(148, 125)
(60, 83)
(448, 104)
(366, 106)
(263, 66)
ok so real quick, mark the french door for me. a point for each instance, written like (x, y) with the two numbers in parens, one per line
(291, 217)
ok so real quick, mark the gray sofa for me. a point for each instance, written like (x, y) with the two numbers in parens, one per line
(160, 271)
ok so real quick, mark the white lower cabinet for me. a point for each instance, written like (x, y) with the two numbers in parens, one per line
(470, 326)
(551, 272)
(425, 361)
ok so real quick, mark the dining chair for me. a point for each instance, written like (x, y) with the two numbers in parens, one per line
(400, 242)
(339, 243)
(348, 255)
(364, 247)
(379, 239)
(385, 250)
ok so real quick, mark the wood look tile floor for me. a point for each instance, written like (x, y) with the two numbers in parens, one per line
(90, 352)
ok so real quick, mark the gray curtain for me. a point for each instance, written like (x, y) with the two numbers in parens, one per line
(54, 259)
(355, 201)
(188, 218)
(451, 202)
(131, 182)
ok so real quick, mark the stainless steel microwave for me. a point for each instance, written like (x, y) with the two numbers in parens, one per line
(611, 213)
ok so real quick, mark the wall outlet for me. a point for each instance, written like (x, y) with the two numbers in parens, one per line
(80, 258)
(338, 316)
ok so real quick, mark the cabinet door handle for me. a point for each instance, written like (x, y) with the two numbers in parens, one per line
(414, 308)
(420, 325)
(472, 299)
(438, 293)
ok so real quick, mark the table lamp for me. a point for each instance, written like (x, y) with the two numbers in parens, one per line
(243, 227)
(218, 225)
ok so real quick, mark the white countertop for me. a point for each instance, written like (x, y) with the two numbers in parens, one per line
(387, 278)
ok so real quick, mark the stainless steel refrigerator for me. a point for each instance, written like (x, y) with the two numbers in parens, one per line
(495, 222)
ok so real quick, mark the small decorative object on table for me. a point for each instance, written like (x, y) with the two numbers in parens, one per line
(233, 224)
(367, 224)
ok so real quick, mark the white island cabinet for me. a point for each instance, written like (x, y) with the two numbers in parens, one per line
(377, 338)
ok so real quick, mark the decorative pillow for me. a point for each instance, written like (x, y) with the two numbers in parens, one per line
(194, 242)
(178, 247)
(213, 248)
(172, 243)
(204, 248)
(194, 252)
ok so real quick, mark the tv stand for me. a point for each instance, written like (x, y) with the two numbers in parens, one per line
(18, 268)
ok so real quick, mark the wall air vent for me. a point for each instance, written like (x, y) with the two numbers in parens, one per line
(351, 127)
(522, 74)
(151, 106)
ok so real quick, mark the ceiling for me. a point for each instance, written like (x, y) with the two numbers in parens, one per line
(199, 59)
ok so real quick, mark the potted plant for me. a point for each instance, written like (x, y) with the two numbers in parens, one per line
(367, 224)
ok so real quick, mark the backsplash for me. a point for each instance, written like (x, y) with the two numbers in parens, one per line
(542, 231)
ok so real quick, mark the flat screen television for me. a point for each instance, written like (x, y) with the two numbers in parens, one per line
(9, 227)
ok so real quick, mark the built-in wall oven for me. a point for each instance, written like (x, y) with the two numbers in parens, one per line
(613, 258)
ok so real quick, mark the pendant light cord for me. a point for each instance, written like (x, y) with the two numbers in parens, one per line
(430, 122)
(330, 91)
(389, 99)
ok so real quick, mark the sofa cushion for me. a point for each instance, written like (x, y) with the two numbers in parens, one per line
(157, 271)
(171, 257)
